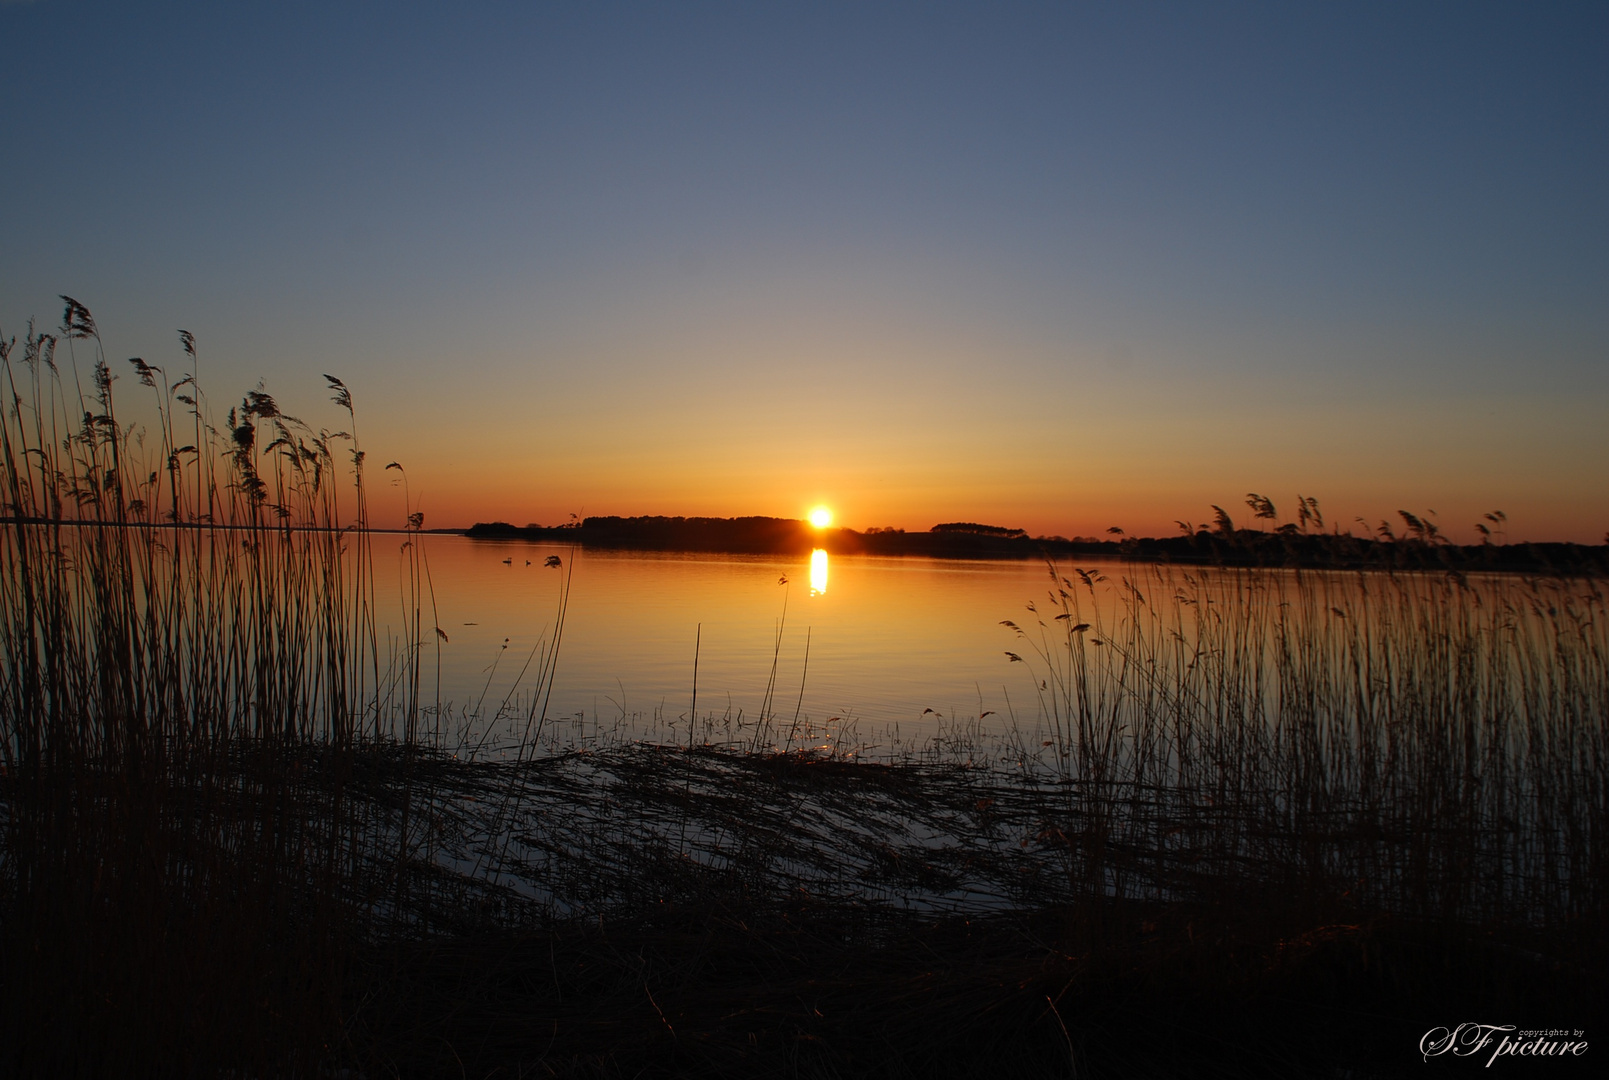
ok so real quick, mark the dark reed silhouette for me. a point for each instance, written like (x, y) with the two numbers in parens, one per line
(189, 659)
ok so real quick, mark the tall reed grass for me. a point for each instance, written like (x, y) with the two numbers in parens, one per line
(188, 654)
(1430, 745)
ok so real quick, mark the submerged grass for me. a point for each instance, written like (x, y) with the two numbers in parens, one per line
(1265, 822)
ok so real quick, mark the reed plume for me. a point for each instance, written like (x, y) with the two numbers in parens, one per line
(187, 659)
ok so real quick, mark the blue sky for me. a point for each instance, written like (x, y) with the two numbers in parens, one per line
(1056, 265)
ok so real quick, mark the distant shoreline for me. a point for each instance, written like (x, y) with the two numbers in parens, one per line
(789, 536)
(1244, 547)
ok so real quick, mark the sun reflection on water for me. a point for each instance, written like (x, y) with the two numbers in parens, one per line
(818, 571)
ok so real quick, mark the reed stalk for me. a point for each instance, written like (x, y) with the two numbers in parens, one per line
(188, 658)
(1426, 744)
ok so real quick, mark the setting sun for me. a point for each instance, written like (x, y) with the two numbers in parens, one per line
(821, 517)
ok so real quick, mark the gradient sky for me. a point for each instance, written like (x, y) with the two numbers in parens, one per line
(1052, 266)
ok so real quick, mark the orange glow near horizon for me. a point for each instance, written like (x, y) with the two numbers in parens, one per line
(1191, 447)
(1155, 482)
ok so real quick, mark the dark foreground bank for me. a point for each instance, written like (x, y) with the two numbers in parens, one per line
(1126, 991)
(654, 911)
(729, 914)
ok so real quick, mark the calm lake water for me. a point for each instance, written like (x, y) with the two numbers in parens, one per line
(890, 640)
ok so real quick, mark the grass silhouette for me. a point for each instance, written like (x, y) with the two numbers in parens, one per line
(187, 622)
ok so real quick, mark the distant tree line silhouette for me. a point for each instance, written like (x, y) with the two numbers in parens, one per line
(1419, 546)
